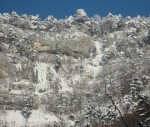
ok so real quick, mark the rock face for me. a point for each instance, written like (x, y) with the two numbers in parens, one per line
(71, 44)
(56, 67)
(4, 68)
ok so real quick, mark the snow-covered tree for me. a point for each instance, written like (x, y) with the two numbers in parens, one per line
(35, 22)
(92, 112)
(14, 18)
(81, 16)
(28, 105)
(136, 87)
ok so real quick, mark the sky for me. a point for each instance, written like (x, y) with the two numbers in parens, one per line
(63, 8)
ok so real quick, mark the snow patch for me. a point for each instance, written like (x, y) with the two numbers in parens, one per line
(37, 117)
(99, 53)
(18, 66)
(63, 82)
(65, 86)
(98, 47)
(93, 70)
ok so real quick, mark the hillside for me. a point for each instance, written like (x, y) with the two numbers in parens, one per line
(80, 70)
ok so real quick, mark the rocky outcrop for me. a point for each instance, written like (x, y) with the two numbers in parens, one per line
(74, 44)
(14, 100)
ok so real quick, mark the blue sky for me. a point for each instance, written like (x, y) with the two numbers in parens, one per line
(63, 8)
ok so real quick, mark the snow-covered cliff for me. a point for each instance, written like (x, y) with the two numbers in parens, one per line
(50, 69)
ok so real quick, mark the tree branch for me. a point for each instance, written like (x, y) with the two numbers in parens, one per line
(117, 110)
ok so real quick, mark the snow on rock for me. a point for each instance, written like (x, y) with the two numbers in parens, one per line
(76, 78)
(19, 92)
(93, 70)
(37, 117)
(41, 71)
(99, 53)
(53, 71)
(18, 66)
(98, 47)
(65, 86)
(26, 82)
(63, 81)
(16, 116)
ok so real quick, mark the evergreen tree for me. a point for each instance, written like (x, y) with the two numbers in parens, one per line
(135, 88)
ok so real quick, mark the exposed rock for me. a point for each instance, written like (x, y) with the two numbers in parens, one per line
(76, 44)
(4, 67)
